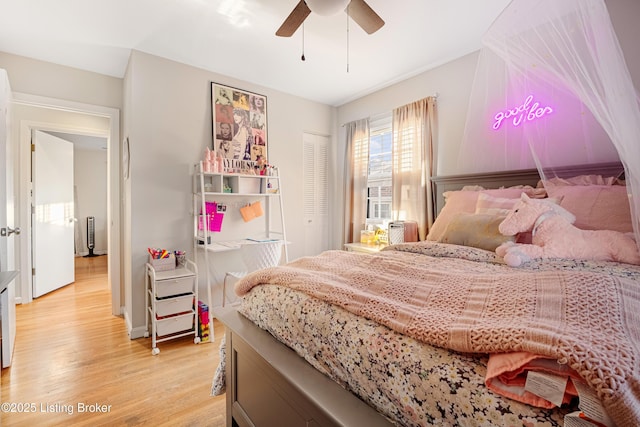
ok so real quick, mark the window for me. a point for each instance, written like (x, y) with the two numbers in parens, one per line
(390, 166)
(379, 175)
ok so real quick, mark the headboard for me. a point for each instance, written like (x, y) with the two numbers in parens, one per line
(442, 184)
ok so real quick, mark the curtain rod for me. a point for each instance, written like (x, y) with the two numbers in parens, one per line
(378, 115)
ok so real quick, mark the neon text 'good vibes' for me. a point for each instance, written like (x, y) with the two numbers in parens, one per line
(528, 111)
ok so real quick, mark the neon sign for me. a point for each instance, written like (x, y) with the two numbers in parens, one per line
(527, 112)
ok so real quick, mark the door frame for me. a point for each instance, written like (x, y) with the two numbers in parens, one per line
(113, 184)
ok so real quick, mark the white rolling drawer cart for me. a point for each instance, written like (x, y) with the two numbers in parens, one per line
(172, 303)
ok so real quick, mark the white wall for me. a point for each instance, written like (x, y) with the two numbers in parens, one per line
(625, 15)
(167, 118)
(56, 81)
(90, 179)
(453, 82)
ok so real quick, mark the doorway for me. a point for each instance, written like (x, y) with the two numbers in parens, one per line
(32, 112)
(90, 193)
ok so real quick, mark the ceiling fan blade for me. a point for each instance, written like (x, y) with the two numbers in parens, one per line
(364, 16)
(294, 20)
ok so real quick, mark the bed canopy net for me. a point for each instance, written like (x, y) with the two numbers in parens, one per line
(552, 90)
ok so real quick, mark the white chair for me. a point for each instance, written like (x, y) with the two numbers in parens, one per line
(255, 256)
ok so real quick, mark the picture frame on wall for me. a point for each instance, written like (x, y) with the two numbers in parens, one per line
(239, 123)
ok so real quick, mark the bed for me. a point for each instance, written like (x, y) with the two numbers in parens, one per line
(431, 357)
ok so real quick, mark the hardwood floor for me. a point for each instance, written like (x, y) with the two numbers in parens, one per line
(71, 353)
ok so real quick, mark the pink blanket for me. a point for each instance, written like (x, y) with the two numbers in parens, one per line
(507, 376)
(589, 321)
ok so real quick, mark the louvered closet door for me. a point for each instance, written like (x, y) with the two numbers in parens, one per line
(316, 193)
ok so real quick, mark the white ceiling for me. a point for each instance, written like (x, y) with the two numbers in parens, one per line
(237, 38)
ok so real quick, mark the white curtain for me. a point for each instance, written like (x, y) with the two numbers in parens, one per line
(413, 130)
(357, 169)
(557, 69)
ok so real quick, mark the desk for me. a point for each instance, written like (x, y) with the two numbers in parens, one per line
(222, 246)
(255, 253)
(232, 245)
(363, 247)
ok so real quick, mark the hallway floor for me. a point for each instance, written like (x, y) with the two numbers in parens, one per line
(74, 364)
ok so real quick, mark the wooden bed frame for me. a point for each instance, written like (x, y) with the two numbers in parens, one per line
(268, 384)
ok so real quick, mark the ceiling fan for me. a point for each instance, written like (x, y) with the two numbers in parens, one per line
(358, 10)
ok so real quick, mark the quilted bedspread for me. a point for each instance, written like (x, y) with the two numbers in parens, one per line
(583, 314)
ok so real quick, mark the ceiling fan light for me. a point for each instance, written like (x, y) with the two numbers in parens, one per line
(327, 7)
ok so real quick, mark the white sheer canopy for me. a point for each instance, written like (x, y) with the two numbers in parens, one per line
(552, 89)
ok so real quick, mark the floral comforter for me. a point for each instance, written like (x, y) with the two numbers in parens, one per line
(410, 382)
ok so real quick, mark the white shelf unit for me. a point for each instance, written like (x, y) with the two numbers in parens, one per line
(216, 186)
(171, 299)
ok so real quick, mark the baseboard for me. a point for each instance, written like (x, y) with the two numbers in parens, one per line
(138, 332)
(127, 322)
(134, 333)
(96, 252)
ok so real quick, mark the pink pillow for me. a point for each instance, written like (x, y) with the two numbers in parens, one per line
(580, 180)
(596, 207)
(494, 205)
(465, 202)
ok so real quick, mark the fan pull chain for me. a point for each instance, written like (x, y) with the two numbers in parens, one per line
(348, 8)
(302, 57)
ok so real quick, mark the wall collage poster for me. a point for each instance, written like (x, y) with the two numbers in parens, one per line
(239, 123)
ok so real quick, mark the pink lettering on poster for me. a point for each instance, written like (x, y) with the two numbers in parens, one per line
(528, 111)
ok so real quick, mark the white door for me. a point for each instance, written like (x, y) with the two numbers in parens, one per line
(53, 213)
(7, 217)
(316, 193)
(7, 224)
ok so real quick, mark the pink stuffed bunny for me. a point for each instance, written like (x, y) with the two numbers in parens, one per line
(554, 236)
